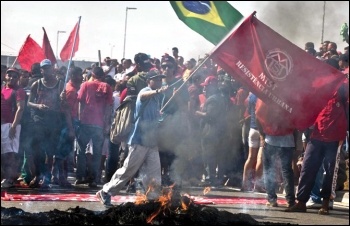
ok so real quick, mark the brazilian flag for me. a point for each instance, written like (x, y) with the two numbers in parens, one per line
(211, 19)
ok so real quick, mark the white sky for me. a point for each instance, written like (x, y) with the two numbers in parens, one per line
(154, 28)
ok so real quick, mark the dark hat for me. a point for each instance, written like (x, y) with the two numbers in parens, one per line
(45, 62)
(141, 58)
(154, 73)
(210, 80)
(12, 69)
(98, 71)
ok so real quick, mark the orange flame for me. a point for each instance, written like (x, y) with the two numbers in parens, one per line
(206, 190)
(140, 198)
(164, 203)
(164, 200)
(184, 205)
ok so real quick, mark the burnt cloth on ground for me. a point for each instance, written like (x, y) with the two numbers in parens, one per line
(130, 214)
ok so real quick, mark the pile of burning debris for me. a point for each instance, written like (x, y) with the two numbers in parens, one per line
(167, 209)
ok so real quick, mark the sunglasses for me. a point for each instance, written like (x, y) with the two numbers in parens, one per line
(165, 66)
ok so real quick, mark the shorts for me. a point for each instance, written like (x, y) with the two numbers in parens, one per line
(8, 145)
(254, 138)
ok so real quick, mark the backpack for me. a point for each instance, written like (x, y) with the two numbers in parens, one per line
(123, 120)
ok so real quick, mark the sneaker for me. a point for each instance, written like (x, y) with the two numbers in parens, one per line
(20, 178)
(104, 198)
(272, 203)
(7, 184)
(312, 204)
(34, 183)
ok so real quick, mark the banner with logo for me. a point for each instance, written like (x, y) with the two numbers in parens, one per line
(293, 86)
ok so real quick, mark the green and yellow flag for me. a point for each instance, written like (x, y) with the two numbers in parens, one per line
(212, 20)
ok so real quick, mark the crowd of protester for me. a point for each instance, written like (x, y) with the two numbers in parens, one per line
(208, 134)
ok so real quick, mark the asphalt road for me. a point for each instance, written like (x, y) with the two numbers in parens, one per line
(260, 212)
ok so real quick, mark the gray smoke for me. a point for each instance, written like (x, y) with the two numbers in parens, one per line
(301, 21)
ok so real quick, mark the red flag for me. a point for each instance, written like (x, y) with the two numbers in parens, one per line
(67, 48)
(47, 49)
(293, 85)
(29, 54)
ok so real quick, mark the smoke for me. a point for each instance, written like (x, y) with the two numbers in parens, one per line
(297, 21)
(301, 22)
(182, 139)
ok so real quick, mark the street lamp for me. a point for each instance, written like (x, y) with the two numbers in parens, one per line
(58, 32)
(126, 20)
(112, 46)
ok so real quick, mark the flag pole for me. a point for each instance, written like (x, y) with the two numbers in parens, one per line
(99, 58)
(205, 59)
(13, 64)
(323, 19)
(71, 54)
(183, 84)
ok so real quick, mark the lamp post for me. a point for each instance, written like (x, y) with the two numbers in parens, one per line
(58, 32)
(112, 46)
(126, 21)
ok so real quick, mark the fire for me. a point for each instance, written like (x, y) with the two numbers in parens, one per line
(206, 190)
(140, 198)
(165, 201)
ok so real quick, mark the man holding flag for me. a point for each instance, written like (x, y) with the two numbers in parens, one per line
(283, 76)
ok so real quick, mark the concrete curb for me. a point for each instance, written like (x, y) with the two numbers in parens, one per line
(342, 196)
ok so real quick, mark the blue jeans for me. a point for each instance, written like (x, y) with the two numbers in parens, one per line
(112, 159)
(86, 133)
(316, 190)
(66, 144)
(270, 156)
(317, 152)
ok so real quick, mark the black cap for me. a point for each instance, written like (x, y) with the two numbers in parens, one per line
(154, 73)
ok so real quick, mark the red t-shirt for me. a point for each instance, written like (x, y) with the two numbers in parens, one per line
(72, 99)
(7, 114)
(123, 95)
(331, 123)
(96, 96)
